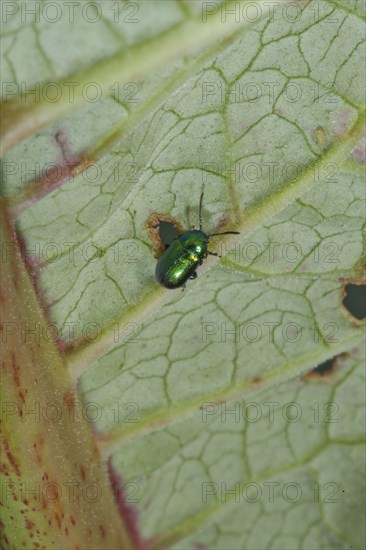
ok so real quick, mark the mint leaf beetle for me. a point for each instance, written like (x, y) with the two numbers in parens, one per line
(182, 257)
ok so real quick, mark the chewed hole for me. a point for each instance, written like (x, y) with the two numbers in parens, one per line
(355, 300)
(327, 369)
(162, 230)
(167, 232)
(324, 368)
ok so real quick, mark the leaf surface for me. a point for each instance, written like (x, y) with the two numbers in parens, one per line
(265, 115)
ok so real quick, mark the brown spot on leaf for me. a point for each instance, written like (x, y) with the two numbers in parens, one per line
(69, 401)
(58, 520)
(16, 369)
(82, 472)
(11, 458)
(4, 469)
(38, 445)
(29, 524)
(44, 504)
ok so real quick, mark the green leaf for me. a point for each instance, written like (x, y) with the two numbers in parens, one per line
(262, 109)
(277, 469)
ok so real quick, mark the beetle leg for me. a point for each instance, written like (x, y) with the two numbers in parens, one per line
(194, 275)
(214, 254)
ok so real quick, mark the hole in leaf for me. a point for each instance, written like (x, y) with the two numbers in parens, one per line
(167, 232)
(355, 300)
(325, 369)
(162, 230)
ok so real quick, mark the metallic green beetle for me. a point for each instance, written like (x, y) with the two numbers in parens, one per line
(180, 260)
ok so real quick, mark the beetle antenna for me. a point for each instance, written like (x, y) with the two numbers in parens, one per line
(200, 211)
(225, 233)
